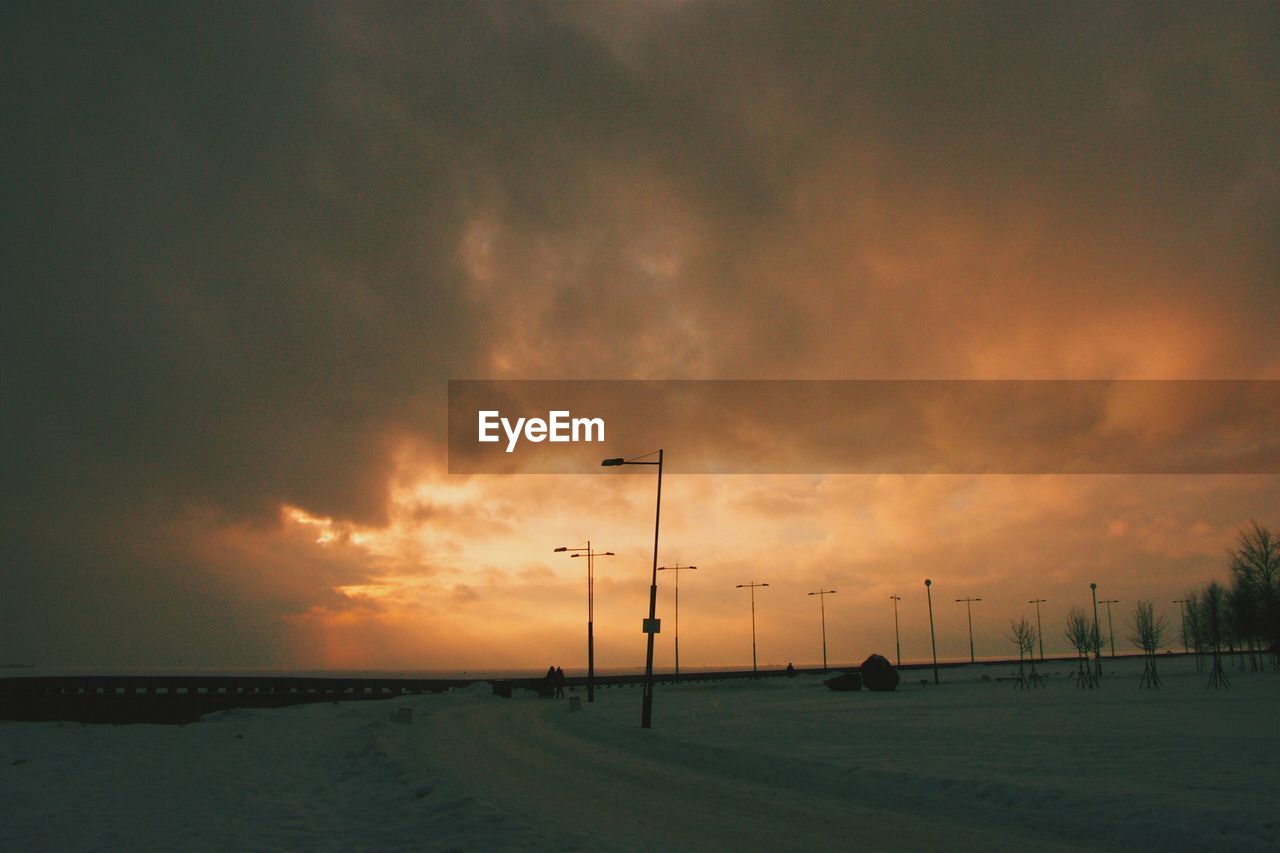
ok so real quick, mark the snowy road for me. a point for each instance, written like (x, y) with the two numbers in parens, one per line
(638, 790)
(588, 787)
(790, 765)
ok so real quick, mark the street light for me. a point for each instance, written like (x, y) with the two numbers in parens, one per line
(822, 608)
(651, 624)
(1097, 635)
(1111, 628)
(933, 640)
(968, 603)
(752, 586)
(1186, 640)
(897, 638)
(677, 568)
(591, 610)
(1037, 602)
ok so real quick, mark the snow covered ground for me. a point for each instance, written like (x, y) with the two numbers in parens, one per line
(736, 765)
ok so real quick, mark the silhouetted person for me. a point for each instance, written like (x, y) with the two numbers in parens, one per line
(791, 670)
(549, 689)
(559, 680)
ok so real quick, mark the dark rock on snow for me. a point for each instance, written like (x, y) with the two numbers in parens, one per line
(879, 674)
(846, 681)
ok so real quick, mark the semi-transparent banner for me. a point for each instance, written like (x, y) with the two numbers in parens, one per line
(868, 426)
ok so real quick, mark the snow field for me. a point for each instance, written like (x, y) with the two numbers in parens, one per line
(769, 764)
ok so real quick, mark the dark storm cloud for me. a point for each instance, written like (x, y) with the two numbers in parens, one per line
(247, 244)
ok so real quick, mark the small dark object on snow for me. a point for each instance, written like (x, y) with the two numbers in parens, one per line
(845, 681)
(879, 674)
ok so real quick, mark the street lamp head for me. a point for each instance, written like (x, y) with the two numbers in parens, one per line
(609, 463)
(607, 554)
(1093, 586)
(558, 550)
(928, 582)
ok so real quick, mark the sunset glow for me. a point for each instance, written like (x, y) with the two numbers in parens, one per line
(257, 251)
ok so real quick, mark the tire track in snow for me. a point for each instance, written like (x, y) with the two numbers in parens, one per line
(587, 793)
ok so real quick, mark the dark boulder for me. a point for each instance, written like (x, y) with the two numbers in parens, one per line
(847, 681)
(878, 673)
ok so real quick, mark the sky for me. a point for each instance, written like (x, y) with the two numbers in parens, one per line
(248, 246)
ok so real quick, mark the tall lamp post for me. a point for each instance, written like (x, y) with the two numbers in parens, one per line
(650, 624)
(1097, 634)
(1039, 633)
(968, 603)
(677, 568)
(591, 611)
(1111, 628)
(933, 640)
(1186, 640)
(822, 608)
(897, 638)
(752, 586)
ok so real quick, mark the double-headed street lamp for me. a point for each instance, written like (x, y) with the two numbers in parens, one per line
(1037, 602)
(968, 603)
(822, 608)
(591, 611)
(677, 568)
(1111, 628)
(650, 624)
(897, 638)
(752, 586)
(1186, 639)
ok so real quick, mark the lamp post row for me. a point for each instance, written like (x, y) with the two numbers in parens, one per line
(677, 568)
(822, 608)
(968, 603)
(651, 624)
(752, 586)
(591, 610)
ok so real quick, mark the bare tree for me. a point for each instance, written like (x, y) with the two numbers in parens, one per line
(1080, 635)
(1243, 621)
(1213, 608)
(1255, 570)
(1148, 634)
(1023, 635)
(1193, 628)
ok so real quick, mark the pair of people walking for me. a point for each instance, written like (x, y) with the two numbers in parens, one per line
(555, 681)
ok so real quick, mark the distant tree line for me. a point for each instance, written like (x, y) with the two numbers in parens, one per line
(1244, 614)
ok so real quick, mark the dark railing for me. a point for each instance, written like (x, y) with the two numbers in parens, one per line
(185, 698)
